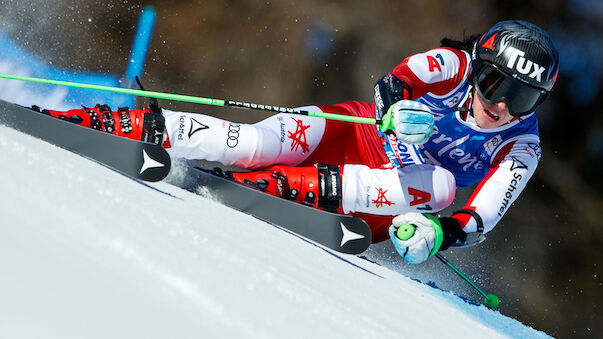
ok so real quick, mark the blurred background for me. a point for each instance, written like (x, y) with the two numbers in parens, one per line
(543, 260)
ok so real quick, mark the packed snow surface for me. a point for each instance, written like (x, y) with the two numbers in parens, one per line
(86, 252)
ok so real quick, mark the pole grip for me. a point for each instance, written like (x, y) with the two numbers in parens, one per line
(405, 232)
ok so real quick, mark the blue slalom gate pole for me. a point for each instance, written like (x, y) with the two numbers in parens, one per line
(140, 47)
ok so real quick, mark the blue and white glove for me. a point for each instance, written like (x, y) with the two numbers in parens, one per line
(416, 236)
(411, 120)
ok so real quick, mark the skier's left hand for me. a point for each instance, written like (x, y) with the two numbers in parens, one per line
(411, 120)
(421, 242)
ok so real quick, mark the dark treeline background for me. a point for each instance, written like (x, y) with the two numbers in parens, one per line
(543, 259)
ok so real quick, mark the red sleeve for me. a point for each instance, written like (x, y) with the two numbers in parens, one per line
(437, 71)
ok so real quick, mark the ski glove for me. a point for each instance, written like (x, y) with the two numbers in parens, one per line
(416, 236)
(411, 121)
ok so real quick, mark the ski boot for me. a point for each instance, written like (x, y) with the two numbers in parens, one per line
(317, 186)
(146, 124)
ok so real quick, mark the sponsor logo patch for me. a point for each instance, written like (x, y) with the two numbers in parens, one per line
(491, 144)
(523, 65)
(419, 197)
(196, 126)
(536, 149)
(381, 199)
(509, 193)
(298, 138)
(517, 164)
(233, 135)
(181, 125)
(489, 44)
(283, 134)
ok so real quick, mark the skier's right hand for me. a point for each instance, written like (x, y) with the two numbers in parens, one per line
(411, 121)
(421, 236)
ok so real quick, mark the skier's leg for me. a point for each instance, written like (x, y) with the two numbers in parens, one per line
(358, 188)
(415, 188)
(281, 139)
(347, 142)
(377, 195)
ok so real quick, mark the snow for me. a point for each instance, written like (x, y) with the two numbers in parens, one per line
(88, 252)
(21, 93)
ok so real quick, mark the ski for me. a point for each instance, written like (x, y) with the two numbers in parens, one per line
(342, 233)
(137, 159)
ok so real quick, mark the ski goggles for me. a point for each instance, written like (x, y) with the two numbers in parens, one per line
(494, 86)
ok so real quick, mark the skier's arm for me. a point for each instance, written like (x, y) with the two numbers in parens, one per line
(511, 168)
(437, 71)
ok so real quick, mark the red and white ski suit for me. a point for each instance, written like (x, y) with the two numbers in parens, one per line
(376, 186)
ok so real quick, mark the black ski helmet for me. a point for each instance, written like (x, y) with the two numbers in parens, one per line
(517, 62)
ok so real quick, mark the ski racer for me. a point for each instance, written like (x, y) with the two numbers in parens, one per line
(453, 116)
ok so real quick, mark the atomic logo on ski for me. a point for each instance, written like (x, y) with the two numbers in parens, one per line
(298, 138)
(148, 162)
(348, 235)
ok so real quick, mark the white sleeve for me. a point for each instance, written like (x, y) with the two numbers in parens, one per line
(511, 169)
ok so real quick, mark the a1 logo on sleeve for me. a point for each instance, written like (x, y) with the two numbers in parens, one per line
(433, 62)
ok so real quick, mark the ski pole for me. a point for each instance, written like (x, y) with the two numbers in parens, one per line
(406, 231)
(195, 99)
(490, 300)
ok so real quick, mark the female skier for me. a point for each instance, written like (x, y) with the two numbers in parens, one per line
(453, 116)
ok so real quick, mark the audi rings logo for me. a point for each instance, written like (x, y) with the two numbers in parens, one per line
(233, 135)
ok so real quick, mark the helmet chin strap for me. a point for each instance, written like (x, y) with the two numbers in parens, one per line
(466, 106)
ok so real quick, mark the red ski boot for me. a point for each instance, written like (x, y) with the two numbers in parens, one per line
(138, 124)
(317, 186)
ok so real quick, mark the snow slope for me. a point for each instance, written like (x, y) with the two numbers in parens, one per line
(86, 252)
